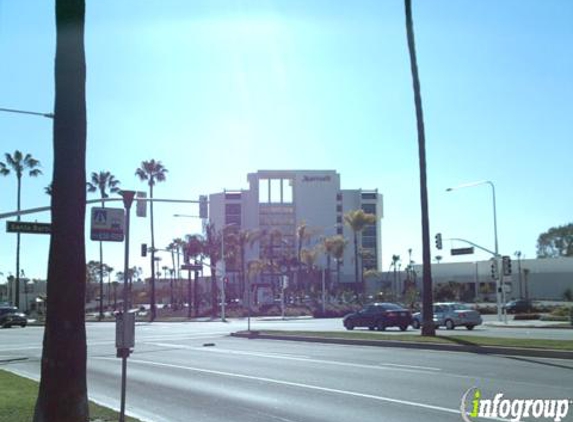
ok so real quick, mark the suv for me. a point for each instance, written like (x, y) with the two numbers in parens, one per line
(10, 315)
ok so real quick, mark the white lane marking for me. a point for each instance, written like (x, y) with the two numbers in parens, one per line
(296, 384)
(407, 368)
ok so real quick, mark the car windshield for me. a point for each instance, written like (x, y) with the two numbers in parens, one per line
(460, 307)
(390, 307)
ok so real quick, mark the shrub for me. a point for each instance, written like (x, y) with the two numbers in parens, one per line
(554, 318)
(568, 294)
(561, 311)
(526, 317)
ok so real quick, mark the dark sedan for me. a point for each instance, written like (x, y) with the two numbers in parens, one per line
(379, 316)
(518, 306)
(10, 315)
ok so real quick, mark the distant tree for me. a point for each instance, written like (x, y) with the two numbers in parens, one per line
(357, 220)
(556, 242)
(152, 171)
(18, 163)
(239, 241)
(194, 249)
(334, 247)
(62, 395)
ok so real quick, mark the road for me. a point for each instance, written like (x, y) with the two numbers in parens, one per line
(195, 371)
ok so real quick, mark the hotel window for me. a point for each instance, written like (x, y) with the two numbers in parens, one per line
(264, 191)
(369, 208)
(276, 191)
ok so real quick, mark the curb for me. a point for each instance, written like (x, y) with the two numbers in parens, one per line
(496, 350)
(551, 325)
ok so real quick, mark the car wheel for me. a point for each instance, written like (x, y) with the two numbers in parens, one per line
(22, 325)
(380, 326)
(415, 324)
(403, 327)
(470, 327)
(371, 328)
(450, 324)
(349, 326)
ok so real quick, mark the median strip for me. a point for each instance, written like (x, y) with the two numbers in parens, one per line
(562, 349)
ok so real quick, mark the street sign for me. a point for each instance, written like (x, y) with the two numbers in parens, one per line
(191, 267)
(462, 251)
(107, 224)
(27, 227)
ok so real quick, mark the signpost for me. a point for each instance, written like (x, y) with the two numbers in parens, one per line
(462, 251)
(107, 224)
(28, 227)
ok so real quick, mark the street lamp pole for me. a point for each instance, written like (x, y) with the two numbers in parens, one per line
(499, 290)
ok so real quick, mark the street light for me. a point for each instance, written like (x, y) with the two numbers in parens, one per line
(33, 113)
(496, 250)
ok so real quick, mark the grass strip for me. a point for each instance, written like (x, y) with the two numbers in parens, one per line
(18, 399)
(417, 338)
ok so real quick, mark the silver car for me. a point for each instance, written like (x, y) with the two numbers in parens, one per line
(451, 315)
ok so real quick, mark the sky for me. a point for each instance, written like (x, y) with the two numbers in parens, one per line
(216, 89)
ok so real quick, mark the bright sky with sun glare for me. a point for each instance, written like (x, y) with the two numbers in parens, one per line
(218, 89)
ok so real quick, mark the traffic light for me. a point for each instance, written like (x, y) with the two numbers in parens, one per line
(506, 263)
(141, 204)
(493, 271)
(439, 241)
(203, 211)
(144, 250)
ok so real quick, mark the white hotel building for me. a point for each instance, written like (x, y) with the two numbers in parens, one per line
(283, 199)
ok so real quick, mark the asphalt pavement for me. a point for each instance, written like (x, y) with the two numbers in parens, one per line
(195, 371)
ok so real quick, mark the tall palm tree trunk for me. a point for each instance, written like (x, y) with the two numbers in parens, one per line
(428, 328)
(62, 395)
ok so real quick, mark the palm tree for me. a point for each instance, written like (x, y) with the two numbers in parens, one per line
(173, 248)
(62, 393)
(309, 257)
(395, 261)
(194, 248)
(339, 245)
(240, 240)
(357, 220)
(101, 182)
(333, 246)
(151, 171)
(428, 328)
(212, 249)
(18, 164)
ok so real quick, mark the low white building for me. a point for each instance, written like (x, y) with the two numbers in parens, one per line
(547, 278)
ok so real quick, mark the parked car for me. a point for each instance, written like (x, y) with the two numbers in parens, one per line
(451, 315)
(10, 315)
(379, 316)
(517, 306)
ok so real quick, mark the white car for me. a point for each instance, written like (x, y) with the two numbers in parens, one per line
(451, 315)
